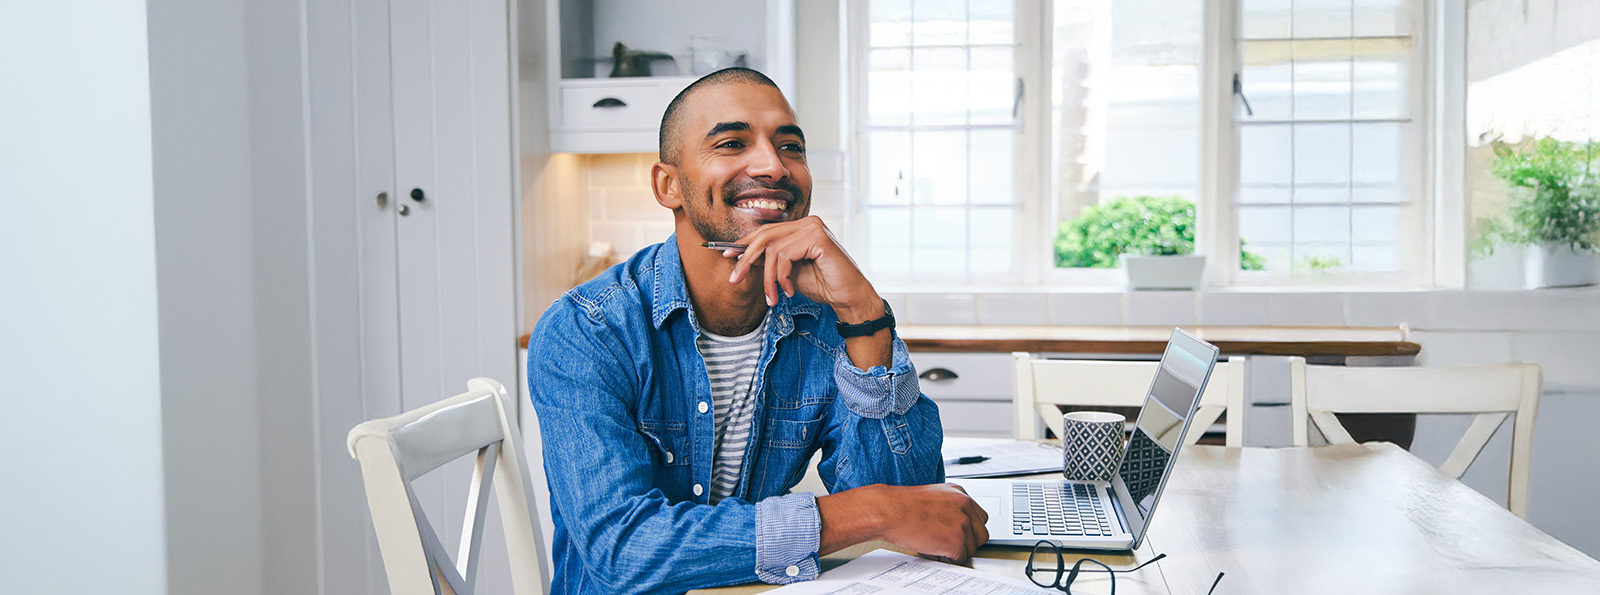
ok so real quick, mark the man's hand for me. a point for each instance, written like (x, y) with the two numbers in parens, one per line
(803, 256)
(939, 521)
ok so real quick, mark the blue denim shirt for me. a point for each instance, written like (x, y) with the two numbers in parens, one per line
(617, 384)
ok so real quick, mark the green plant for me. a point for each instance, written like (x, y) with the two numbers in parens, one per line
(1556, 195)
(1140, 225)
(1321, 263)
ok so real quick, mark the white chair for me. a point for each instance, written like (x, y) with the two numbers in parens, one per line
(396, 450)
(1041, 385)
(1490, 391)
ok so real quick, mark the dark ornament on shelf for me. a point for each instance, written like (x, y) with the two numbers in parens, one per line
(626, 62)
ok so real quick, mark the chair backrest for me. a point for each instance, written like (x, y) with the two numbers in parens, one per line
(1041, 385)
(1493, 392)
(396, 450)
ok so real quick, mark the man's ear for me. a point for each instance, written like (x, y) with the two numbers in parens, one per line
(664, 182)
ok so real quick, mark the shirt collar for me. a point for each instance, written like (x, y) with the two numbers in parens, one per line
(672, 292)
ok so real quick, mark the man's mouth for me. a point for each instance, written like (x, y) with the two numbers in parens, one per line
(767, 205)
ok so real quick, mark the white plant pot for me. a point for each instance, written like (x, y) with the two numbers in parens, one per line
(1555, 265)
(1164, 272)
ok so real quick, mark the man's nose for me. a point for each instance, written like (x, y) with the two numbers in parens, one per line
(765, 163)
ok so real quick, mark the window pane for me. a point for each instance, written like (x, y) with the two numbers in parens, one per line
(1322, 225)
(993, 172)
(939, 242)
(1322, 155)
(1379, 88)
(889, 87)
(939, 165)
(939, 22)
(935, 72)
(1375, 259)
(1267, 225)
(1265, 155)
(992, 21)
(1322, 79)
(1322, 18)
(992, 233)
(890, 233)
(1375, 162)
(1376, 224)
(889, 167)
(889, 22)
(1268, 87)
(992, 91)
(1375, 18)
(1265, 19)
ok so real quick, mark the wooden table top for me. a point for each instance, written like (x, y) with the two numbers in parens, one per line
(1367, 518)
(1232, 340)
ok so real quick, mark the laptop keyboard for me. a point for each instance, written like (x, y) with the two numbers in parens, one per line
(1057, 508)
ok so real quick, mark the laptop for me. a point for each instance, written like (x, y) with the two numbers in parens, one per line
(1100, 515)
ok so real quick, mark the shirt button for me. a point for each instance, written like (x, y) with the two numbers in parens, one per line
(698, 489)
(669, 457)
(704, 407)
(792, 571)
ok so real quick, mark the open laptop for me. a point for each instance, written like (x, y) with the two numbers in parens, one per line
(1107, 515)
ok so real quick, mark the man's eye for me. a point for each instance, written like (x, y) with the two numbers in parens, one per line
(795, 147)
(729, 144)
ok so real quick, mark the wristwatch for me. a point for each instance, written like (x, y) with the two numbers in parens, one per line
(869, 327)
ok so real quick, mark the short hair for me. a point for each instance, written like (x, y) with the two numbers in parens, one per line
(671, 120)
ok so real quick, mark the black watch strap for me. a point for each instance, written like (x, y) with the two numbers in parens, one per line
(869, 327)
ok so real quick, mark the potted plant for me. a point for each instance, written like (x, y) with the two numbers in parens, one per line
(1150, 237)
(1555, 209)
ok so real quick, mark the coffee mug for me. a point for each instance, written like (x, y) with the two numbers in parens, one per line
(1091, 445)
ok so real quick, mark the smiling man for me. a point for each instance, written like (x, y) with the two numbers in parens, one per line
(681, 394)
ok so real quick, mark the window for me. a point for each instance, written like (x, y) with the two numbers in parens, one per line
(938, 133)
(985, 129)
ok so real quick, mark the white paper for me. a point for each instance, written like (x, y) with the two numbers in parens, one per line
(1006, 457)
(882, 572)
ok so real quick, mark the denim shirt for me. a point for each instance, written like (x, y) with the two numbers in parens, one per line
(618, 387)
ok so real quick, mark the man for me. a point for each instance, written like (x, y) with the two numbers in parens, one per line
(682, 393)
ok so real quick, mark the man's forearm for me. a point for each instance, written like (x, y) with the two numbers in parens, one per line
(876, 349)
(848, 518)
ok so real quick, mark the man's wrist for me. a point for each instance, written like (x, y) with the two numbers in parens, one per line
(870, 308)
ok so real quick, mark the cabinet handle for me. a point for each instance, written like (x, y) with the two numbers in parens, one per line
(938, 374)
(383, 200)
(610, 102)
(417, 195)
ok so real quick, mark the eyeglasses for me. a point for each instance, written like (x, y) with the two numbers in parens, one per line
(1058, 576)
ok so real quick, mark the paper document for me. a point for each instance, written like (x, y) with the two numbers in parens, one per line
(882, 572)
(1006, 457)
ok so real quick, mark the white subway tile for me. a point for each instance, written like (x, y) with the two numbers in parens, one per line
(828, 202)
(1086, 309)
(1387, 308)
(1232, 308)
(1571, 360)
(827, 167)
(942, 308)
(624, 237)
(1305, 309)
(1458, 348)
(615, 170)
(1554, 310)
(897, 302)
(1014, 308)
(1159, 308)
(597, 206)
(634, 204)
(655, 233)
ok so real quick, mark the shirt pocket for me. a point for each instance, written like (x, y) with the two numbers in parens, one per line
(793, 435)
(669, 442)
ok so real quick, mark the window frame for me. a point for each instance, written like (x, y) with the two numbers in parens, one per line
(1433, 249)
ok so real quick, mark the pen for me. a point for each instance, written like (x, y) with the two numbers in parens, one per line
(966, 460)
(723, 245)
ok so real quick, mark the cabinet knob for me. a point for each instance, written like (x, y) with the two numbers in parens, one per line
(383, 200)
(610, 102)
(938, 374)
(416, 194)
(403, 210)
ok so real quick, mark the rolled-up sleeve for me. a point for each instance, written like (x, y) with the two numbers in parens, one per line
(877, 392)
(788, 535)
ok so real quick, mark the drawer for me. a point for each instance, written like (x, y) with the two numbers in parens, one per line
(595, 107)
(975, 419)
(976, 376)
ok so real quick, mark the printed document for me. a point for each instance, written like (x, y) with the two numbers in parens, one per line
(882, 572)
(1006, 457)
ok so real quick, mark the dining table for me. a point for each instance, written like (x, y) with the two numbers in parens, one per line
(1355, 518)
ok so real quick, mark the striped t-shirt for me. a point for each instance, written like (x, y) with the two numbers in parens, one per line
(731, 365)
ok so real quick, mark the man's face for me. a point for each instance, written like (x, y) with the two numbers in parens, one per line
(742, 161)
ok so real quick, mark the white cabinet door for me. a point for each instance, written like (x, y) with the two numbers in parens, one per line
(451, 95)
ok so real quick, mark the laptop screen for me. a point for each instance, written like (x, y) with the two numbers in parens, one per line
(1156, 437)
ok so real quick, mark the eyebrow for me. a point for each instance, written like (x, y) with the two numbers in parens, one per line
(792, 129)
(722, 127)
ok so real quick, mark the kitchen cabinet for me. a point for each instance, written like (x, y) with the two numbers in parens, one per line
(592, 112)
(410, 154)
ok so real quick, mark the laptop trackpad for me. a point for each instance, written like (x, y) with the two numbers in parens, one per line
(989, 504)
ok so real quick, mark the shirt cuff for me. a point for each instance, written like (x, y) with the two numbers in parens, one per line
(880, 391)
(788, 534)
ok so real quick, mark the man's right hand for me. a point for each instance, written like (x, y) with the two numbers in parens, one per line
(938, 521)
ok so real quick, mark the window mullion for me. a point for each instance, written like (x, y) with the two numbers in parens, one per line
(1216, 222)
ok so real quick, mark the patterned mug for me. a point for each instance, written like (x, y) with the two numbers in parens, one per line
(1091, 445)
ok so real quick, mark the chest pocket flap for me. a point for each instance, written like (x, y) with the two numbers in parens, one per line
(669, 442)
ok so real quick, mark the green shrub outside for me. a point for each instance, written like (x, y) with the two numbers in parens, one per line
(1556, 192)
(1139, 225)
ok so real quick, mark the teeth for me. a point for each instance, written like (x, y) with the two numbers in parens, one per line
(759, 203)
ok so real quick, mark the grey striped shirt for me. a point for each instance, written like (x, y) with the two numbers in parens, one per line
(731, 365)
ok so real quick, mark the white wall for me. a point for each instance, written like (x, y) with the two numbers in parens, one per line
(79, 376)
(200, 133)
